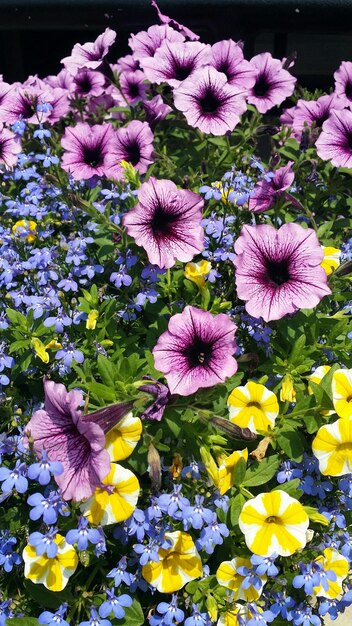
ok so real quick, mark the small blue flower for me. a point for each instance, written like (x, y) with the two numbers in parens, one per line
(265, 564)
(115, 604)
(170, 612)
(119, 573)
(42, 470)
(83, 535)
(54, 619)
(14, 478)
(197, 618)
(47, 507)
(95, 620)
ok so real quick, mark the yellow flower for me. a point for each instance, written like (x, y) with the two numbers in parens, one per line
(54, 344)
(27, 228)
(342, 392)
(40, 349)
(287, 392)
(116, 500)
(334, 561)
(227, 576)
(52, 573)
(332, 446)
(223, 475)
(253, 406)
(274, 522)
(331, 260)
(123, 438)
(92, 319)
(178, 565)
(237, 616)
(196, 272)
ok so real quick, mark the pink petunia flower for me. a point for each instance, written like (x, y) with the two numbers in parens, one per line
(74, 439)
(89, 150)
(335, 141)
(91, 54)
(10, 147)
(209, 102)
(174, 62)
(343, 83)
(22, 102)
(145, 43)
(133, 143)
(273, 84)
(267, 191)
(133, 86)
(88, 83)
(196, 351)
(227, 57)
(309, 112)
(279, 271)
(166, 222)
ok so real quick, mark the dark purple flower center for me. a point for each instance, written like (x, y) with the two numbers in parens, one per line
(278, 271)
(199, 352)
(210, 102)
(182, 71)
(93, 156)
(28, 108)
(84, 84)
(133, 90)
(348, 90)
(162, 220)
(261, 86)
(133, 153)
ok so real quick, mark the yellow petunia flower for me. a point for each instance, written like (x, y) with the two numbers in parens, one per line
(52, 573)
(26, 229)
(197, 271)
(178, 565)
(227, 576)
(92, 319)
(253, 406)
(331, 260)
(123, 438)
(116, 500)
(332, 446)
(274, 522)
(237, 616)
(332, 560)
(222, 475)
(40, 349)
(342, 392)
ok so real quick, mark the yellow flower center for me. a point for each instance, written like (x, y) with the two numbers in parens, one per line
(256, 404)
(344, 447)
(272, 519)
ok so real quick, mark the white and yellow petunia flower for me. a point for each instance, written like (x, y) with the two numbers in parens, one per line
(178, 565)
(342, 392)
(274, 522)
(331, 260)
(237, 616)
(253, 406)
(228, 576)
(52, 573)
(332, 560)
(196, 272)
(316, 378)
(332, 446)
(123, 438)
(115, 500)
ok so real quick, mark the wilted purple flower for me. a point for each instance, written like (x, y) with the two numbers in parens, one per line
(335, 141)
(272, 85)
(268, 190)
(91, 54)
(209, 102)
(279, 271)
(156, 110)
(162, 396)
(166, 222)
(196, 351)
(165, 19)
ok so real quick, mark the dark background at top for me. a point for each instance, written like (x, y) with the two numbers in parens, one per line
(36, 34)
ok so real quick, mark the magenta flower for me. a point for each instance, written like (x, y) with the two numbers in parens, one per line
(166, 222)
(133, 86)
(196, 351)
(267, 191)
(335, 141)
(309, 112)
(91, 54)
(89, 150)
(22, 102)
(10, 147)
(209, 102)
(227, 57)
(279, 271)
(75, 440)
(133, 143)
(343, 83)
(146, 43)
(273, 84)
(174, 62)
(88, 83)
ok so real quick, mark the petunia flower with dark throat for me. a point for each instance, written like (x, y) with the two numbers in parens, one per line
(133, 143)
(227, 57)
(166, 222)
(174, 62)
(209, 102)
(77, 441)
(89, 150)
(196, 351)
(278, 271)
(91, 54)
(335, 141)
(273, 84)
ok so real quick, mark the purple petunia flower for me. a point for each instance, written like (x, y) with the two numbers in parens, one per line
(209, 102)
(273, 84)
(91, 54)
(133, 86)
(267, 191)
(155, 110)
(279, 271)
(89, 150)
(165, 19)
(335, 141)
(196, 351)
(308, 112)
(343, 83)
(134, 144)
(146, 43)
(10, 147)
(166, 222)
(174, 62)
(88, 83)
(227, 57)
(75, 440)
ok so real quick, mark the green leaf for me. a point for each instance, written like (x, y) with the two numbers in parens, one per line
(107, 371)
(236, 507)
(292, 444)
(101, 391)
(239, 471)
(291, 487)
(17, 318)
(312, 422)
(296, 352)
(133, 615)
(22, 621)
(261, 473)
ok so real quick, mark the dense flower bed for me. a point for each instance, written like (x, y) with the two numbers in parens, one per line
(175, 339)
